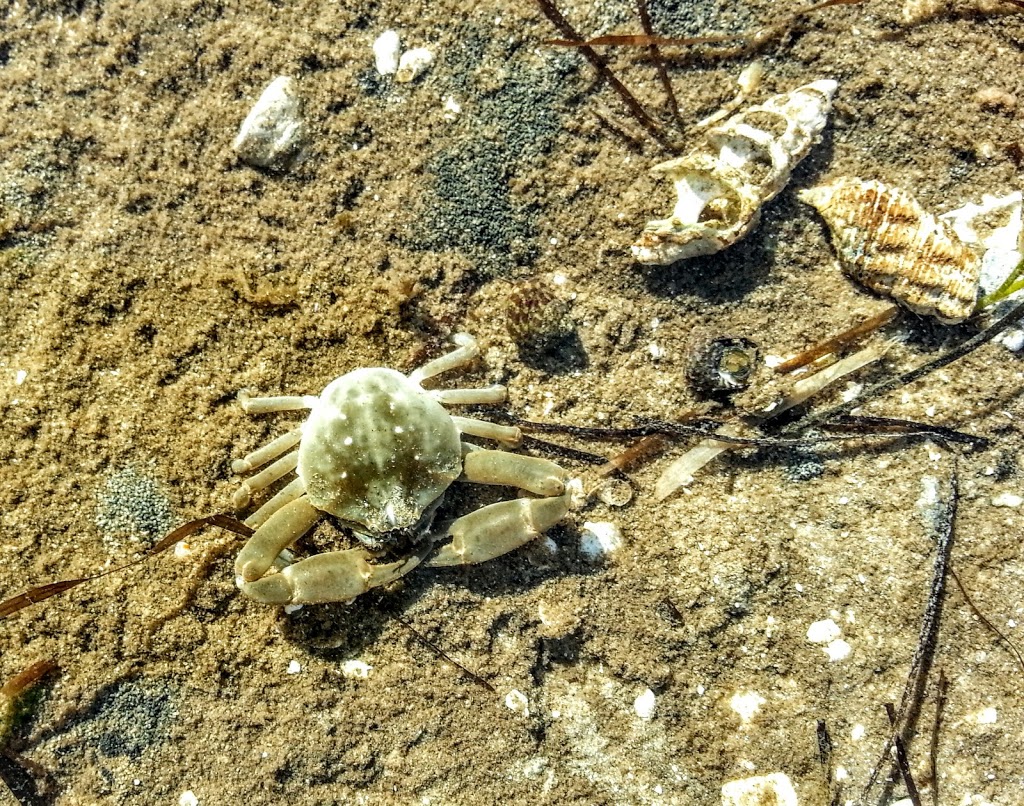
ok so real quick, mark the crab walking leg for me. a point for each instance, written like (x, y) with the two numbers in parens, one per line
(282, 529)
(279, 469)
(263, 405)
(538, 476)
(506, 434)
(461, 397)
(467, 351)
(500, 528)
(285, 495)
(336, 576)
(265, 453)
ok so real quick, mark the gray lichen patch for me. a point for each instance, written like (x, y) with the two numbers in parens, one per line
(132, 506)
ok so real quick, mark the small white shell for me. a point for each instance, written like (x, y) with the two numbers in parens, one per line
(273, 134)
(386, 48)
(741, 164)
(413, 63)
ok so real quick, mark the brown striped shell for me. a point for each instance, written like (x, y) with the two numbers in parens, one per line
(887, 242)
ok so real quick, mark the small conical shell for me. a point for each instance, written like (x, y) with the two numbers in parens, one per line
(887, 242)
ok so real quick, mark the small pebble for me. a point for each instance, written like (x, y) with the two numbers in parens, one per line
(413, 64)
(188, 798)
(294, 667)
(599, 539)
(838, 650)
(356, 669)
(273, 134)
(1010, 500)
(644, 704)
(386, 48)
(821, 632)
(516, 701)
(760, 790)
(746, 704)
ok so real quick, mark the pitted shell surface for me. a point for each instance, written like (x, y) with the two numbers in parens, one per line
(376, 452)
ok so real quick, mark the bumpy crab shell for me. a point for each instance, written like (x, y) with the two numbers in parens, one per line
(377, 453)
(740, 165)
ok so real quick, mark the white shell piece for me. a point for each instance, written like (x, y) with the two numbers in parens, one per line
(386, 48)
(412, 64)
(741, 164)
(821, 632)
(644, 704)
(599, 538)
(356, 669)
(516, 701)
(273, 134)
(188, 798)
(758, 790)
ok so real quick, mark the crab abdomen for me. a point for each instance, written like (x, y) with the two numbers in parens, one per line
(377, 451)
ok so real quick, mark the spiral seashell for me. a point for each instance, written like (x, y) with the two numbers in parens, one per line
(720, 363)
(740, 165)
(887, 242)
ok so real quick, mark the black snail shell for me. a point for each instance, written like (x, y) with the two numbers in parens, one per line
(719, 364)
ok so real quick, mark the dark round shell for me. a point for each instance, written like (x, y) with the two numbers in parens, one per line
(721, 364)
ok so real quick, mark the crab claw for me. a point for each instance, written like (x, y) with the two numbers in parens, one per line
(336, 576)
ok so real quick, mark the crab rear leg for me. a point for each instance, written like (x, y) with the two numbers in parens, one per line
(500, 528)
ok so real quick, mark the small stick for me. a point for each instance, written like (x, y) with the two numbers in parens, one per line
(901, 758)
(933, 750)
(659, 63)
(838, 342)
(984, 620)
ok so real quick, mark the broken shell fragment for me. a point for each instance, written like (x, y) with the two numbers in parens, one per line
(721, 363)
(273, 134)
(888, 243)
(741, 164)
(413, 63)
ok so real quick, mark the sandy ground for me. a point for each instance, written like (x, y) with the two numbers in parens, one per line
(146, 276)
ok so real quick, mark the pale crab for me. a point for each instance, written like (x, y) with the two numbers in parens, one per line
(377, 452)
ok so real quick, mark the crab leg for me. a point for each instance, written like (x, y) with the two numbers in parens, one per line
(264, 478)
(499, 528)
(285, 495)
(506, 434)
(263, 405)
(264, 454)
(336, 576)
(461, 397)
(467, 351)
(282, 529)
(538, 476)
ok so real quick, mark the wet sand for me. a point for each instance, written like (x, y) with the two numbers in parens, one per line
(146, 276)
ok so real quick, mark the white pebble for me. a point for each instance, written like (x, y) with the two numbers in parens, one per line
(386, 48)
(356, 669)
(746, 704)
(516, 701)
(599, 538)
(273, 134)
(838, 650)
(20, 376)
(1007, 500)
(292, 608)
(989, 716)
(821, 632)
(412, 64)
(294, 667)
(758, 790)
(188, 798)
(644, 704)
(1012, 339)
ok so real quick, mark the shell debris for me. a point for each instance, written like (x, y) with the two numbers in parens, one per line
(740, 164)
(887, 242)
(412, 64)
(386, 49)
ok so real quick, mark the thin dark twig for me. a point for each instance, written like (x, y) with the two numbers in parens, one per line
(984, 620)
(901, 759)
(920, 665)
(933, 750)
(554, 449)
(659, 64)
(442, 654)
(651, 126)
